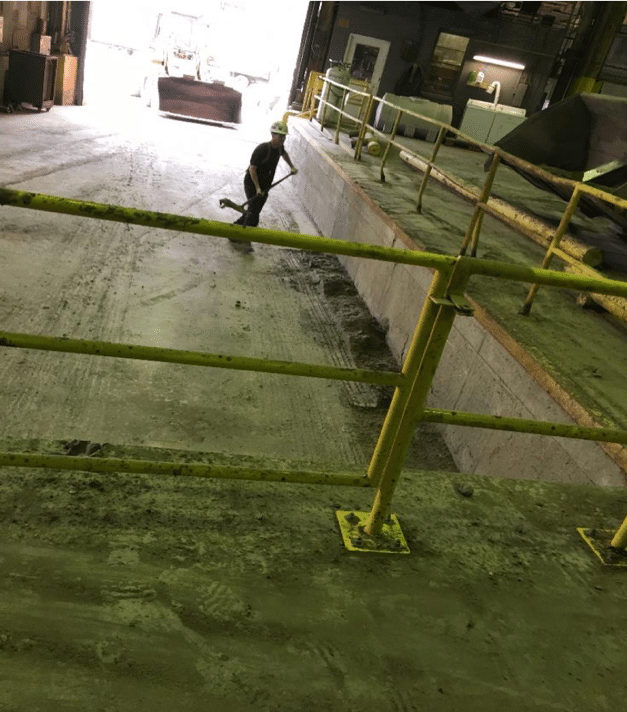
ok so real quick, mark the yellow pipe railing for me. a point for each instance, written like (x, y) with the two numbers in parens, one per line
(523, 425)
(444, 301)
(177, 469)
(194, 358)
(481, 203)
(214, 228)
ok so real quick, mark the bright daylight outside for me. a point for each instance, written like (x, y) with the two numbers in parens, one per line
(240, 51)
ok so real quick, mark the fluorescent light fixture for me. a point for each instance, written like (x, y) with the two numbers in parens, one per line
(500, 62)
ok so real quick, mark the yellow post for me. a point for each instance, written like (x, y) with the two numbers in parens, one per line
(414, 406)
(362, 130)
(548, 257)
(620, 538)
(409, 371)
(425, 177)
(339, 118)
(324, 103)
(389, 146)
(474, 228)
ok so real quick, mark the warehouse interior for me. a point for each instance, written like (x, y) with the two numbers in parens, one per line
(132, 591)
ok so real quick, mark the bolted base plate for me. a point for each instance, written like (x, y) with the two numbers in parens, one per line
(390, 541)
(599, 541)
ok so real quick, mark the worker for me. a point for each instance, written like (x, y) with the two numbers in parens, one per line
(259, 177)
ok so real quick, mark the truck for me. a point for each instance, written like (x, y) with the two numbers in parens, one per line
(181, 72)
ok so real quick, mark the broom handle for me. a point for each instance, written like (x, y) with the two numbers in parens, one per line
(272, 186)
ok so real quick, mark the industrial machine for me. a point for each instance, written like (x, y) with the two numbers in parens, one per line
(179, 72)
(584, 138)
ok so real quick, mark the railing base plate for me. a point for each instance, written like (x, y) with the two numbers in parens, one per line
(599, 541)
(390, 541)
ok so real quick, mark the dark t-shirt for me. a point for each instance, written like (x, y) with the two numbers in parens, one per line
(265, 158)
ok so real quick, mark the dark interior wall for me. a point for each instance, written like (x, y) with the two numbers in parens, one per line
(536, 46)
(401, 30)
(413, 28)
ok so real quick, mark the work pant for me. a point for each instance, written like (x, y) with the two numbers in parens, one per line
(251, 217)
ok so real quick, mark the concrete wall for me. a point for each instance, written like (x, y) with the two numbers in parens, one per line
(482, 370)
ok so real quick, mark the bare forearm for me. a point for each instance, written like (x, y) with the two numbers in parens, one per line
(252, 170)
(288, 160)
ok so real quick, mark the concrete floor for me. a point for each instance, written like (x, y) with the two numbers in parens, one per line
(112, 282)
(136, 593)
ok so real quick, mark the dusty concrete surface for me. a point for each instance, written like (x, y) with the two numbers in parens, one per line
(133, 593)
(114, 282)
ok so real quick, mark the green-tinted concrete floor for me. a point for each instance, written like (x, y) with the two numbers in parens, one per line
(130, 593)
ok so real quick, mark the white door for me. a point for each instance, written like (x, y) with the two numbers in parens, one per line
(366, 56)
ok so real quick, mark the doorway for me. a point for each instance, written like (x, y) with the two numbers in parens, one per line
(366, 57)
(119, 55)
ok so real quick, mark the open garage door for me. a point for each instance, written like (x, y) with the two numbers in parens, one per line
(247, 46)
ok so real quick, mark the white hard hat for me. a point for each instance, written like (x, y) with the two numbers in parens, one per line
(279, 127)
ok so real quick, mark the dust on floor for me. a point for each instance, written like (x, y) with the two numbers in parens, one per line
(131, 593)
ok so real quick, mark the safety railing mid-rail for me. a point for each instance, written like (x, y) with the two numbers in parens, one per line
(376, 530)
(578, 259)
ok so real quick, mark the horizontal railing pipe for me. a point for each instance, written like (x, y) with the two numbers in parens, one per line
(521, 425)
(195, 358)
(154, 467)
(168, 221)
(561, 280)
(215, 228)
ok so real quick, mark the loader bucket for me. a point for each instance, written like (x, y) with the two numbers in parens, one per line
(189, 98)
(583, 138)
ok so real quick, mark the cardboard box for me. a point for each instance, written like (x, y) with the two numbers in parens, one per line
(40, 43)
(65, 89)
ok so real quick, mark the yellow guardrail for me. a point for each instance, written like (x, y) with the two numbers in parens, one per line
(483, 202)
(375, 530)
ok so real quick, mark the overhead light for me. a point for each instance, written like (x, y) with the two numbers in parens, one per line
(500, 62)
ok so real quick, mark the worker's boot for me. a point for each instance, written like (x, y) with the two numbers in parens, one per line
(241, 245)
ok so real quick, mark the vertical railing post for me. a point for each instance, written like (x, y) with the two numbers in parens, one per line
(548, 257)
(389, 146)
(410, 404)
(324, 102)
(411, 364)
(474, 228)
(425, 177)
(362, 129)
(339, 117)
(619, 540)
